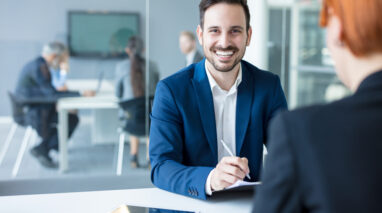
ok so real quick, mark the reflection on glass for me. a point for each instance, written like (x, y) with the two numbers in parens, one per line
(312, 78)
(311, 38)
(317, 87)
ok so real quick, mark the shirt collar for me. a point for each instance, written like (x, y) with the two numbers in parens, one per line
(213, 83)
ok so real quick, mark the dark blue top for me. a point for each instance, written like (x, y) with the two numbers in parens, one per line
(35, 82)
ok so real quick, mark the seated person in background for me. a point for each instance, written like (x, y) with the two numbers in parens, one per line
(327, 158)
(210, 109)
(187, 45)
(59, 75)
(130, 84)
(35, 83)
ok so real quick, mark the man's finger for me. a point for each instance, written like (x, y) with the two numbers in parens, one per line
(236, 161)
(233, 170)
(229, 179)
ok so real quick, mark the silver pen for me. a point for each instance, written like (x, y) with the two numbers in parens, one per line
(232, 155)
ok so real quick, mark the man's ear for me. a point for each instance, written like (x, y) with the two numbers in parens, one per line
(249, 33)
(199, 32)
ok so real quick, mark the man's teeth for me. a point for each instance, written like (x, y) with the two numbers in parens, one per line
(224, 53)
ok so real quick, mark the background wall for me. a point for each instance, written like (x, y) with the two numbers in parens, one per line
(167, 18)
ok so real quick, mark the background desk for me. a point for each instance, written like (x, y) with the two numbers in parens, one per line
(104, 100)
(100, 133)
(107, 201)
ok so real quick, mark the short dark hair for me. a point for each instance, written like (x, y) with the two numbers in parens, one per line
(205, 4)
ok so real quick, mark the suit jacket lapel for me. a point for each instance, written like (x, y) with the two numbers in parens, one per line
(206, 106)
(243, 107)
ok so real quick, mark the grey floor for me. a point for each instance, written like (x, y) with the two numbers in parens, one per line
(91, 167)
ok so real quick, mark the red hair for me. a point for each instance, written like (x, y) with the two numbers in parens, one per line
(361, 22)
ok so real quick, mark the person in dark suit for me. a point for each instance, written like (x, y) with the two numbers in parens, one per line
(187, 44)
(327, 158)
(220, 105)
(35, 83)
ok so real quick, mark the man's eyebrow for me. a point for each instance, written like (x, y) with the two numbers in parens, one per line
(237, 27)
(212, 27)
(233, 27)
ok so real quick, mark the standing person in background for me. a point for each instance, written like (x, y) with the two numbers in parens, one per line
(187, 45)
(35, 83)
(327, 158)
(130, 84)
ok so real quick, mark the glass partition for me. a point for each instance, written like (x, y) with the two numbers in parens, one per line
(299, 55)
(97, 156)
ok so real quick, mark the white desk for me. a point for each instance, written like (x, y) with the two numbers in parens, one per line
(105, 99)
(90, 84)
(107, 201)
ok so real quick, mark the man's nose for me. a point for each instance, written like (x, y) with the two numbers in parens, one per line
(224, 40)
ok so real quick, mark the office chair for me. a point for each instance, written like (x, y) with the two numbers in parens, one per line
(133, 122)
(19, 109)
(18, 116)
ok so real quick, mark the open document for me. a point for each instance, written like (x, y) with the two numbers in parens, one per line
(242, 186)
(242, 183)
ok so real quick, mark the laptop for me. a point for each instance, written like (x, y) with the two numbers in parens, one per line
(99, 82)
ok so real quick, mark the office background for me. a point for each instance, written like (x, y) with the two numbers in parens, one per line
(287, 42)
(27, 25)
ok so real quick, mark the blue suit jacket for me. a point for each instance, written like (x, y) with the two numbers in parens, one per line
(183, 144)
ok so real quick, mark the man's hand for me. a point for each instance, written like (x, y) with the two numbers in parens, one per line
(88, 93)
(228, 171)
(64, 66)
(62, 88)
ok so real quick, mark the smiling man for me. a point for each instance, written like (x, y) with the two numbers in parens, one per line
(209, 111)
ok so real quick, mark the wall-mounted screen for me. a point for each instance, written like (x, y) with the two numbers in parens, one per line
(100, 34)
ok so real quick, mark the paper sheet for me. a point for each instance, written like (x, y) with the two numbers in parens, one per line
(242, 183)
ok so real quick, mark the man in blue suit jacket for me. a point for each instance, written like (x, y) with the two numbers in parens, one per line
(219, 102)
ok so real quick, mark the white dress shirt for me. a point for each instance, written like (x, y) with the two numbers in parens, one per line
(225, 118)
(190, 57)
